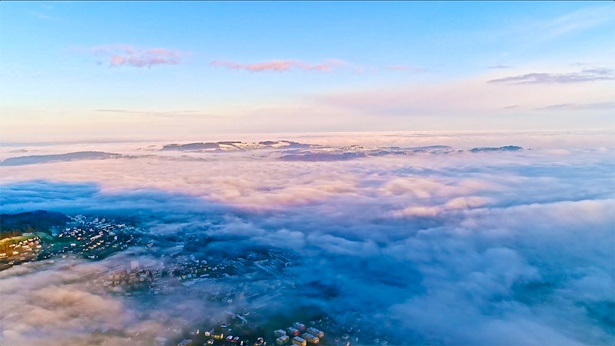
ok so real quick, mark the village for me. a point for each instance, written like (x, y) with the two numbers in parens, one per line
(80, 238)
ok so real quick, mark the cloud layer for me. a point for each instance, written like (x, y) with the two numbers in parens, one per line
(487, 248)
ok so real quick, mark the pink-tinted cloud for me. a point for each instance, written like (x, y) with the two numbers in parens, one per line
(127, 55)
(280, 65)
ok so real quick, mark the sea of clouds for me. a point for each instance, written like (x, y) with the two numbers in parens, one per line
(459, 248)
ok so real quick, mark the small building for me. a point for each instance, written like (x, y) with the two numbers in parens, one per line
(299, 326)
(316, 332)
(292, 331)
(310, 338)
(282, 340)
(279, 332)
(299, 341)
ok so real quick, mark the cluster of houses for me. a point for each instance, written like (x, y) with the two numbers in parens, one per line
(29, 243)
(300, 335)
(297, 334)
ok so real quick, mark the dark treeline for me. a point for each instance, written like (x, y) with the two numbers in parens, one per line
(12, 225)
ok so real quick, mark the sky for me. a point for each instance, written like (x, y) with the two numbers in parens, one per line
(74, 71)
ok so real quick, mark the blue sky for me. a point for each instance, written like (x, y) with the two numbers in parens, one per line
(145, 69)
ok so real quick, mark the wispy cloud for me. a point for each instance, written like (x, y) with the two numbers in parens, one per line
(587, 75)
(544, 28)
(280, 65)
(500, 66)
(44, 13)
(413, 69)
(127, 111)
(510, 107)
(41, 15)
(576, 21)
(128, 55)
(579, 106)
(172, 114)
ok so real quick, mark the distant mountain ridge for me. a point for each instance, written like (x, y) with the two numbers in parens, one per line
(234, 145)
(74, 156)
(504, 148)
(286, 151)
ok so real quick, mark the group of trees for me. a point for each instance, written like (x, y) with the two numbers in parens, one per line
(13, 225)
(4, 233)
